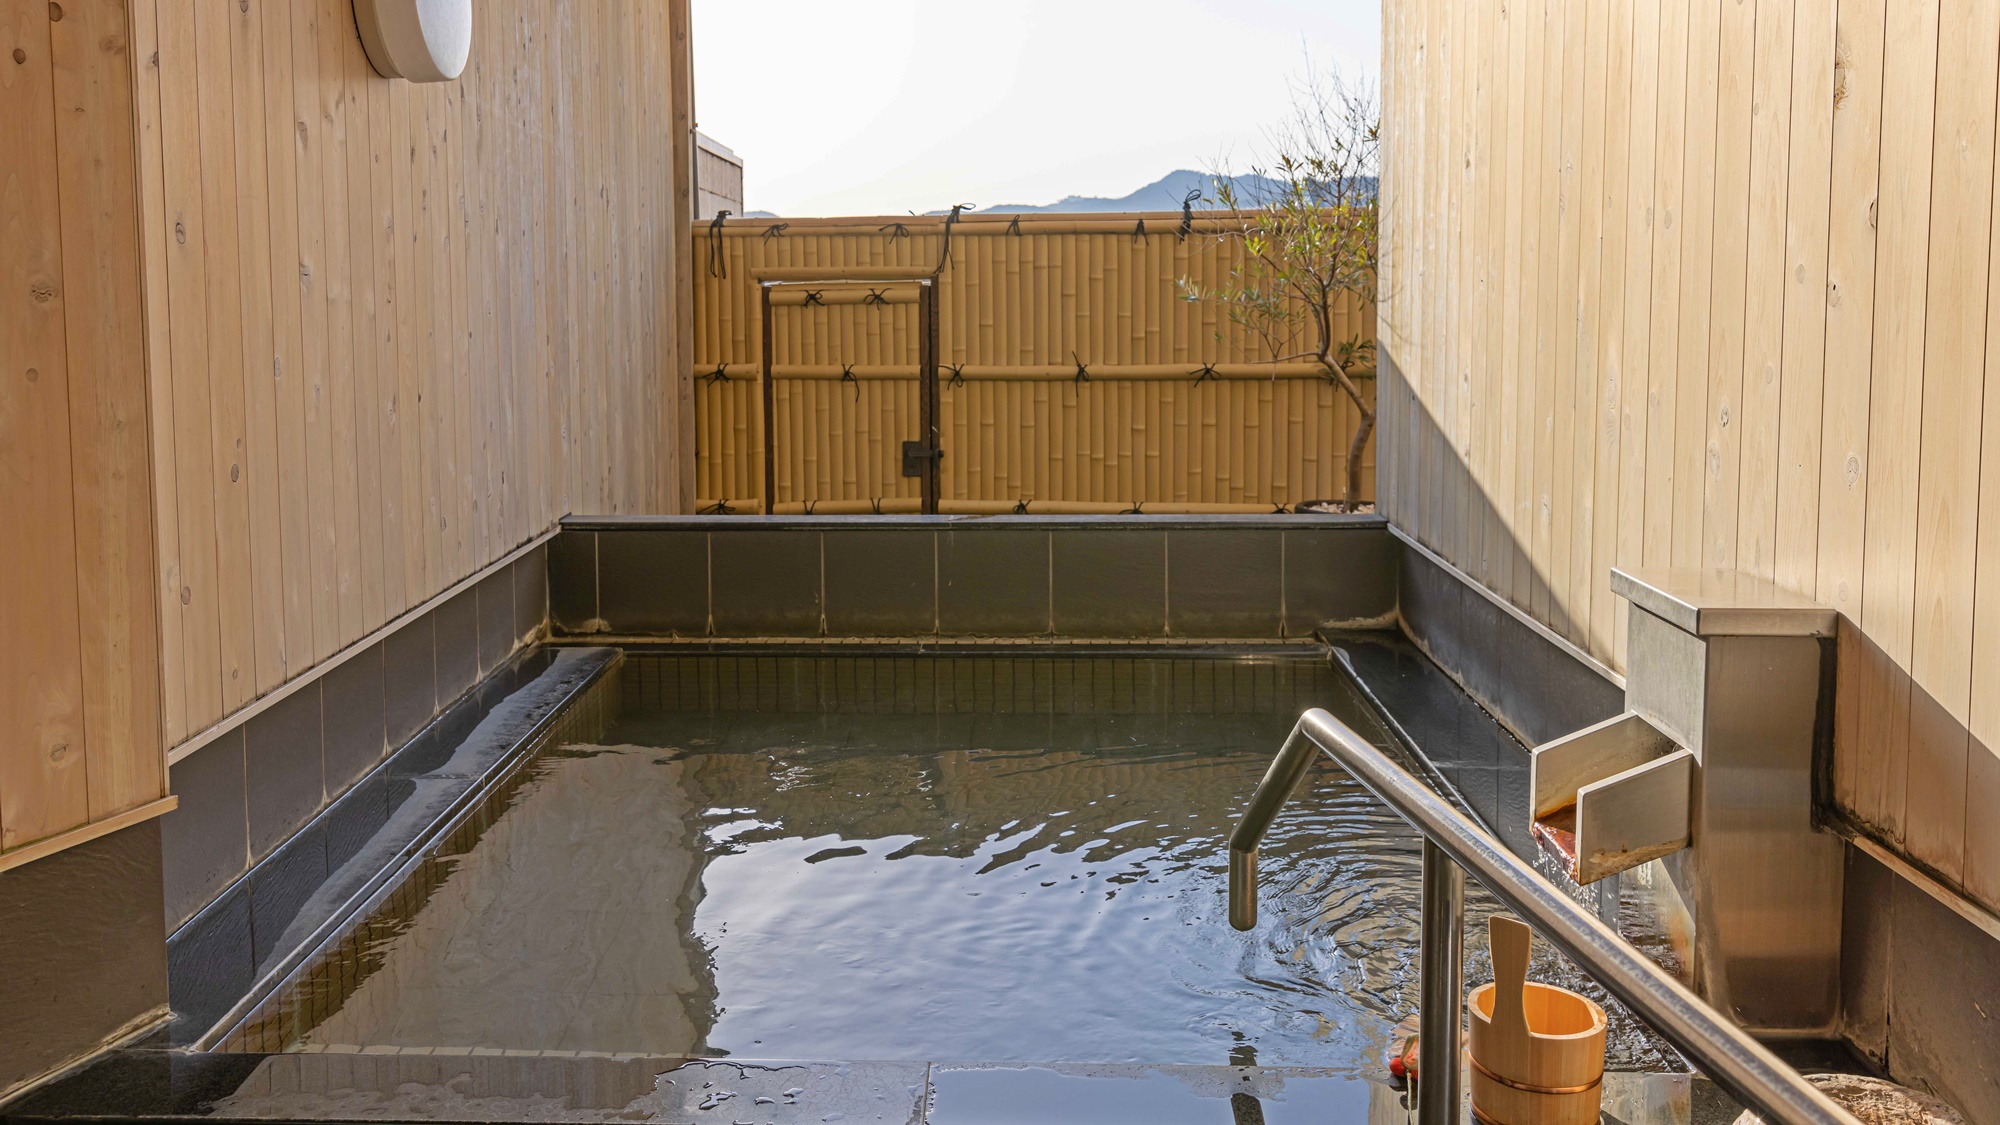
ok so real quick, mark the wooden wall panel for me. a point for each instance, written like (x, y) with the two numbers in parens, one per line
(42, 778)
(1021, 307)
(291, 348)
(80, 700)
(110, 470)
(1850, 333)
(1770, 348)
(397, 326)
(1895, 398)
(1803, 368)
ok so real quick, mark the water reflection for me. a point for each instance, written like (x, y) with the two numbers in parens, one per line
(998, 887)
(1052, 893)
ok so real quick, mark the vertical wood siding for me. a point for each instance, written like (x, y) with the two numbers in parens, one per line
(397, 329)
(1712, 284)
(290, 348)
(79, 696)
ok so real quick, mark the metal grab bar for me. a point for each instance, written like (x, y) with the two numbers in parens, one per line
(1750, 1073)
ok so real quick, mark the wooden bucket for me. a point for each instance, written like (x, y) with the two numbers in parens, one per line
(1540, 1059)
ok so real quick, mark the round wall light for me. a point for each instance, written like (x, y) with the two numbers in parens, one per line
(421, 40)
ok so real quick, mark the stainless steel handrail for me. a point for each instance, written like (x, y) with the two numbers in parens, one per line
(1724, 1052)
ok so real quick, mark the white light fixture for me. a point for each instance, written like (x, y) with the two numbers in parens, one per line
(421, 40)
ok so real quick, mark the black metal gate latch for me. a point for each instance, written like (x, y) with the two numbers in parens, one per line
(915, 453)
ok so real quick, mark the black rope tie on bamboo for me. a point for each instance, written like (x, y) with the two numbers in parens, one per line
(815, 297)
(1021, 507)
(1014, 228)
(1187, 213)
(847, 376)
(719, 375)
(1279, 510)
(1138, 508)
(810, 505)
(774, 230)
(896, 230)
(876, 503)
(1139, 232)
(719, 508)
(1205, 373)
(1082, 371)
(718, 262)
(950, 221)
(957, 374)
(875, 297)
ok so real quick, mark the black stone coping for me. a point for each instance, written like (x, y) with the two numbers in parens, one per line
(983, 647)
(1147, 520)
(259, 927)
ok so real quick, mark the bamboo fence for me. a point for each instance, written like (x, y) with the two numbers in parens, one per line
(1076, 376)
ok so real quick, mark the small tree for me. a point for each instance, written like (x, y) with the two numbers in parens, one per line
(1308, 224)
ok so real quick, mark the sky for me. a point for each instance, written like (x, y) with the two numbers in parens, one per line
(874, 107)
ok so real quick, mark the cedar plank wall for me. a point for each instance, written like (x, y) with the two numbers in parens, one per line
(395, 329)
(1711, 284)
(79, 692)
(379, 335)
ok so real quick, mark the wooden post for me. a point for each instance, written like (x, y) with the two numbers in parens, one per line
(933, 421)
(770, 406)
(680, 380)
(927, 388)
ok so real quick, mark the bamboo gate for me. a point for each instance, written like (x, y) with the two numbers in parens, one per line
(1071, 374)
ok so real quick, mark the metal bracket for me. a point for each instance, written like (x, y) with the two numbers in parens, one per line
(915, 453)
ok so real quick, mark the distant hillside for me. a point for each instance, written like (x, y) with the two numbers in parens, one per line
(1164, 194)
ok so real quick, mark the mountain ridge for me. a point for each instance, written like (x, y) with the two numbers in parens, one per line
(1163, 194)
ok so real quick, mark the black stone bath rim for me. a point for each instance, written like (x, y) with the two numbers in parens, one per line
(960, 522)
(1251, 651)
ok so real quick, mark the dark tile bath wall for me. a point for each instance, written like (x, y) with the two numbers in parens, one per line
(1540, 691)
(915, 576)
(1280, 679)
(252, 789)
